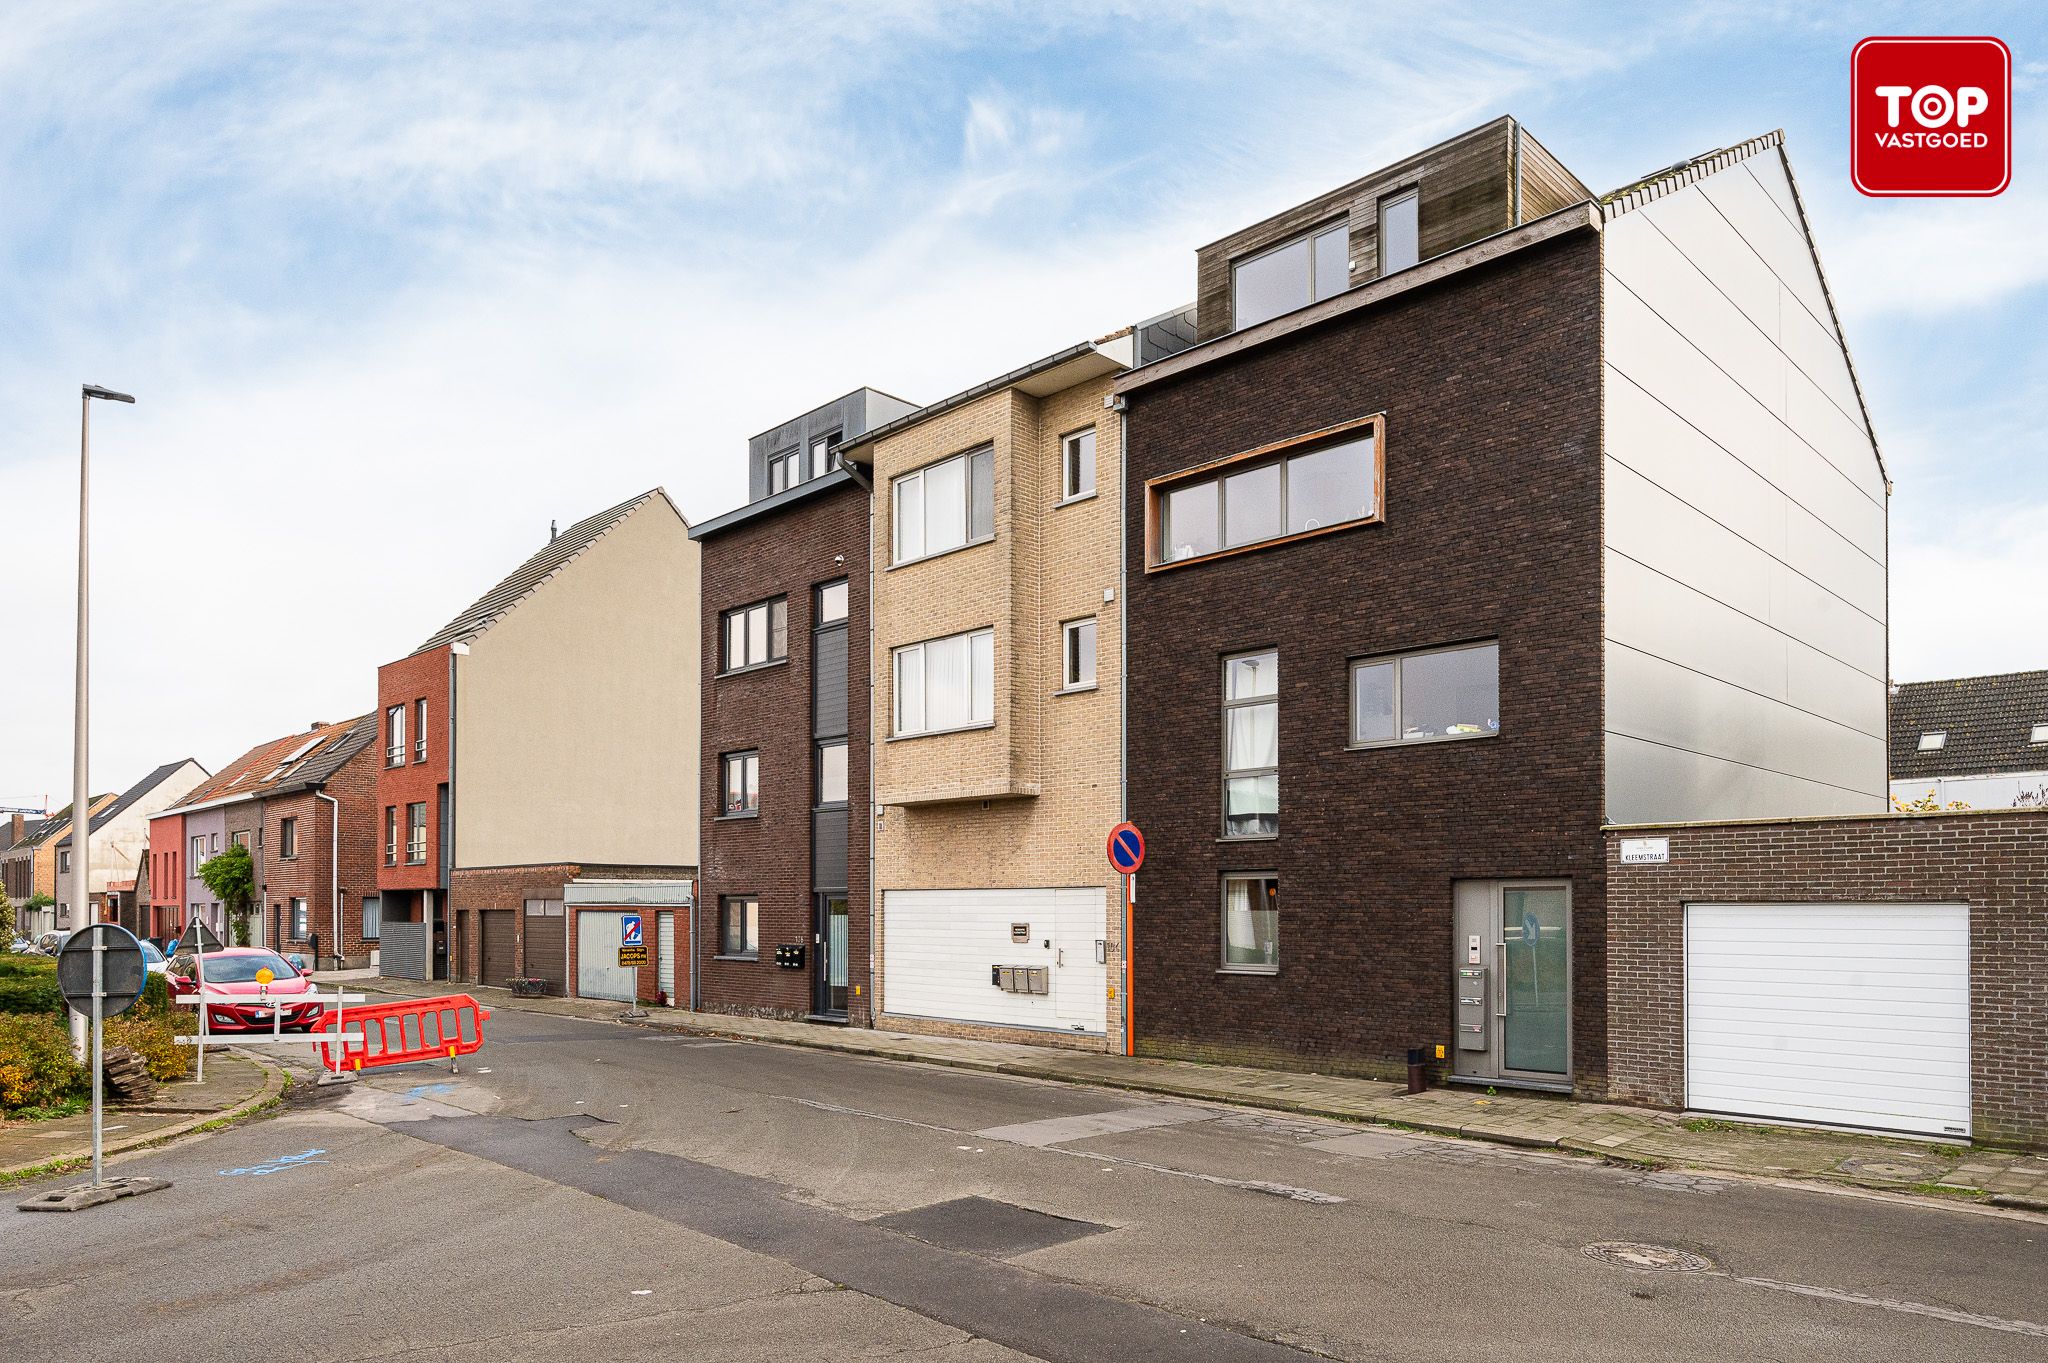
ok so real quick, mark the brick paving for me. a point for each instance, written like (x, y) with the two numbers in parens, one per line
(1651, 1137)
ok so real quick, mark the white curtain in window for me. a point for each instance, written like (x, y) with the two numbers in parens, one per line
(910, 690)
(1254, 737)
(982, 670)
(945, 505)
(949, 701)
(909, 518)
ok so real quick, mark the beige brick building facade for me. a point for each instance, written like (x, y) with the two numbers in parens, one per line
(989, 833)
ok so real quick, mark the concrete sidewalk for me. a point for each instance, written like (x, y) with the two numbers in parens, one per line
(234, 1087)
(1636, 1135)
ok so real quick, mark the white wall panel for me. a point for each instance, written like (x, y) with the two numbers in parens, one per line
(938, 945)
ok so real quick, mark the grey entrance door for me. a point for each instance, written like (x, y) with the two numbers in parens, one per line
(831, 940)
(1512, 971)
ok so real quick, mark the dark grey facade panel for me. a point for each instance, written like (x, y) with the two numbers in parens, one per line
(828, 849)
(402, 950)
(828, 685)
(842, 419)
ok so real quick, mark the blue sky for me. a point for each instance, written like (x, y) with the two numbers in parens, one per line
(399, 284)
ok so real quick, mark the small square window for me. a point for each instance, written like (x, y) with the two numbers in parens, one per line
(739, 926)
(1079, 650)
(1934, 741)
(832, 602)
(2039, 735)
(1251, 924)
(1077, 464)
(742, 783)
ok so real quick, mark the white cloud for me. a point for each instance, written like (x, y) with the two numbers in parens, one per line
(1970, 601)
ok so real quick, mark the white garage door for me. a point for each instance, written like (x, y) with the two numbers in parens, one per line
(598, 972)
(1848, 1014)
(938, 946)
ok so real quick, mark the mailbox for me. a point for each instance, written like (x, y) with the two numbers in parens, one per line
(790, 956)
(1472, 1033)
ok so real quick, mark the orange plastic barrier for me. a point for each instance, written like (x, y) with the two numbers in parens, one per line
(403, 1032)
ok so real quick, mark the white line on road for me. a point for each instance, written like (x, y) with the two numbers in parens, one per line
(1912, 1308)
(1249, 1185)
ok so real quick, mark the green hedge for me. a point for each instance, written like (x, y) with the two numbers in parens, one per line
(28, 985)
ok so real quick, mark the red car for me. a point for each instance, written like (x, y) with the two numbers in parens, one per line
(233, 970)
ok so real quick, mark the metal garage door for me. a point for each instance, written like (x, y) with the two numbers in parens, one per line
(939, 945)
(598, 972)
(495, 949)
(547, 949)
(1848, 1014)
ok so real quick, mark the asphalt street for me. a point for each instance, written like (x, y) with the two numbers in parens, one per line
(627, 1194)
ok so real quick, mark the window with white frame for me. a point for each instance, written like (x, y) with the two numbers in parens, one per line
(832, 602)
(1077, 464)
(1432, 696)
(946, 684)
(419, 730)
(756, 634)
(739, 926)
(824, 455)
(2039, 734)
(391, 835)
(944, 506)
(394, 736)
(740, 776)
(1934, 741)
(416, 834)
(1292, 275)
(301, 927)
(1251, 745)
(1077, 647)
(782, 474)
(198, 858)
(1251, 924)
(1243, 502)
(1400, 231)
(832, 772)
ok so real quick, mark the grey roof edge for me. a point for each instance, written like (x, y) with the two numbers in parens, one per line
(127, 799)
(979, 390)
(487, 610)
(1678, 176)
(833, 402)
(1471, 255)
(767, 506)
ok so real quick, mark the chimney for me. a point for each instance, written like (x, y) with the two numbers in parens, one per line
(15, 828)
(316, 726)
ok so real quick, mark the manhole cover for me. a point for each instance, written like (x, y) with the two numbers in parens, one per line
(1649, 1258)
(1896, 1169)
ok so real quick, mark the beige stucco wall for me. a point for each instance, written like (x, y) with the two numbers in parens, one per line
(576, 714)
(1029, 802)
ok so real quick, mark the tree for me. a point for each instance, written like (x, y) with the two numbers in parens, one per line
(231, 875)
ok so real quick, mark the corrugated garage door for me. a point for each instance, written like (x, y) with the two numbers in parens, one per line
(547, 948)
(938, 946)
(598, 972)
(1848, 1014)
(496, 946)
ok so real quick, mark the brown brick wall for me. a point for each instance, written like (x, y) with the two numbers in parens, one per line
(314, 872)
(1996, 861)
(787, 552)
(471, 892)
(1490, 385)
(402, 683)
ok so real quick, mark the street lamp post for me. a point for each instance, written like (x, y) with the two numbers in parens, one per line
(81, 798)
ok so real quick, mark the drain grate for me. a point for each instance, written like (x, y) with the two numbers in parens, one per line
(984, 1226)
(1648, 1258)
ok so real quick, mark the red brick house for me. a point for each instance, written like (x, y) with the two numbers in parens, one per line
(304, 806)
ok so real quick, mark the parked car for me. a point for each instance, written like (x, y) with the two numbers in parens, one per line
(233, 970)
(153, 959)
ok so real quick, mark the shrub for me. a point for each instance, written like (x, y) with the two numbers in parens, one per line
(36, 1068)
(156, 997)
(152, 1038)
(28, 985)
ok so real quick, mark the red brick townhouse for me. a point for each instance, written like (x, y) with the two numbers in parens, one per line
(1486, 511)
(782, 923)
(301, 804)
(536, 787)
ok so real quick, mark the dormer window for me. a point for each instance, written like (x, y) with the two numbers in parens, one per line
(782, 475)
(2039, 735)
(1292, 275)
(1934, 741)
(1400, 231)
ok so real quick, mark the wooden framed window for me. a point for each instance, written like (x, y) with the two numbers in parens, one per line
(1313, 484)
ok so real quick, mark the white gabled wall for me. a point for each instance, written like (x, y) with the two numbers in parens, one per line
(1746, 586)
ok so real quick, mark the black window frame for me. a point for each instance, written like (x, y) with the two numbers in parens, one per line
(752, 810)
(769, 605)
(748, 948)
